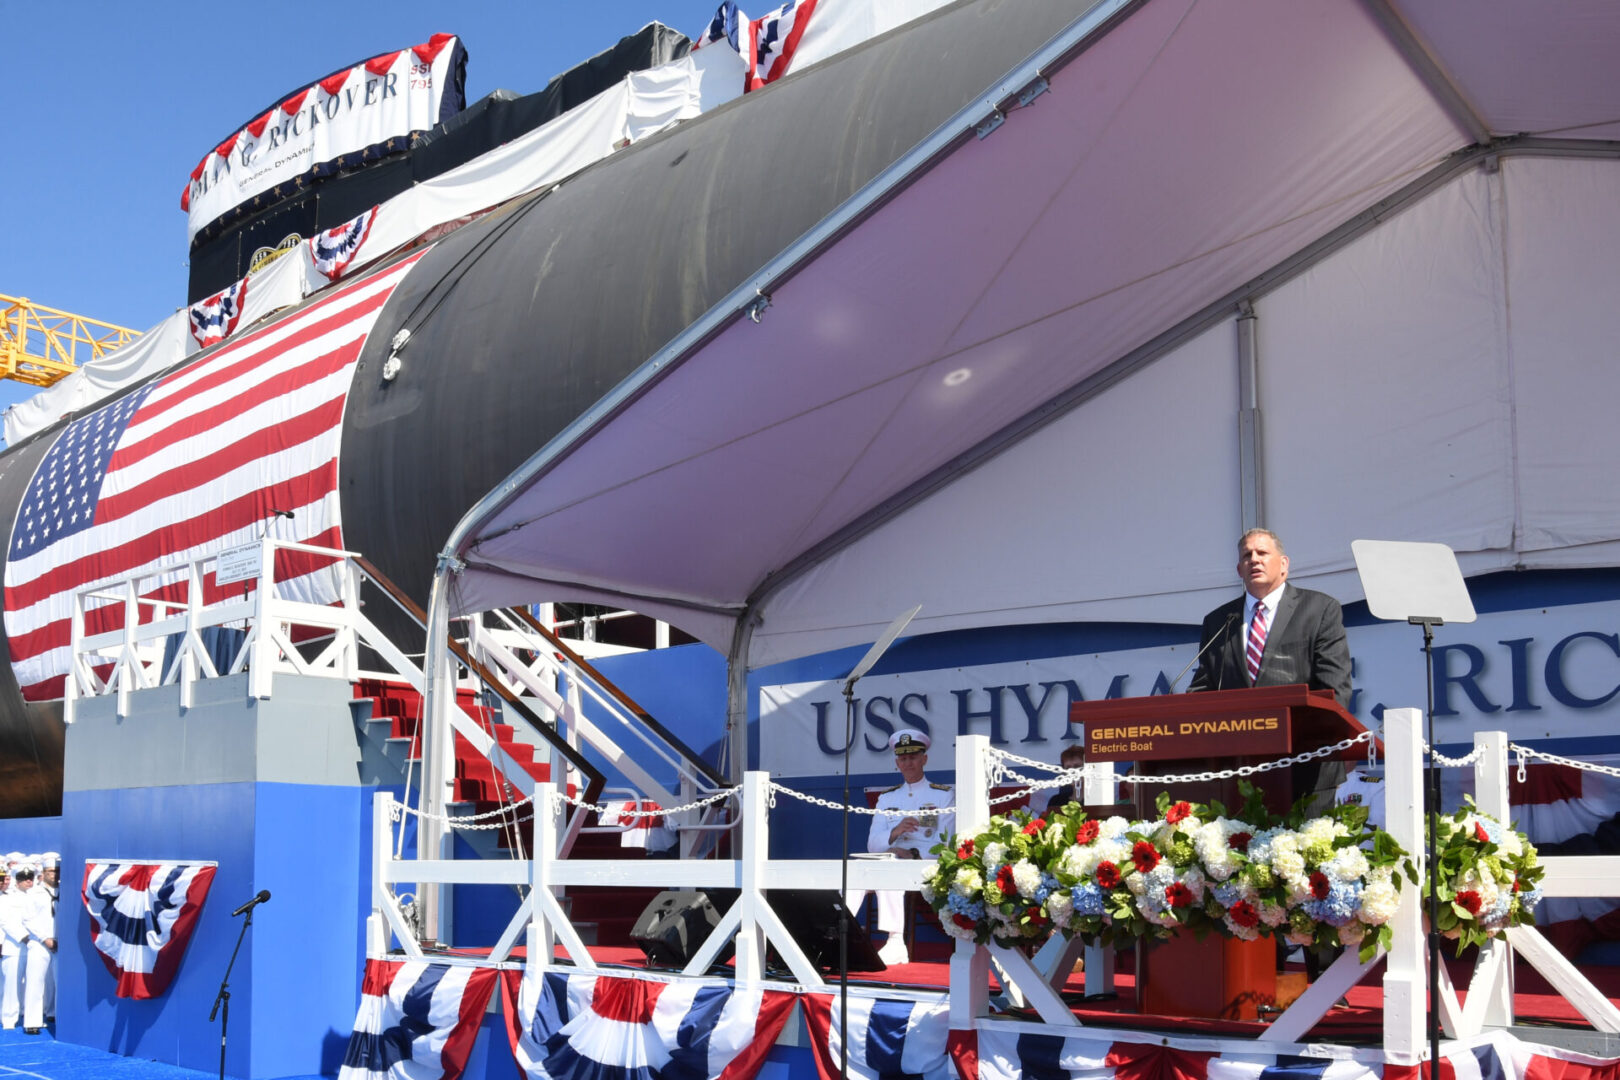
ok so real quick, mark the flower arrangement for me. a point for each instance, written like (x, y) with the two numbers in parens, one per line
(1322, 881)
(1487, 877)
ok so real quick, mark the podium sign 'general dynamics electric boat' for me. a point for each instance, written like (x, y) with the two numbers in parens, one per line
(1219, 725)
(1187, 740)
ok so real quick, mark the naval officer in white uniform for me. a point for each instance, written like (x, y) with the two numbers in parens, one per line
(929, 818)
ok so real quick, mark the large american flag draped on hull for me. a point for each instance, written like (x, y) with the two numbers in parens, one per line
(188, 465)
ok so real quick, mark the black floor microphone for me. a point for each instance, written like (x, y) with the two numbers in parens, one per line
(262, 898)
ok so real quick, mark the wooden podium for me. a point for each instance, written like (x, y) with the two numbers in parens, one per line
(1185, 733)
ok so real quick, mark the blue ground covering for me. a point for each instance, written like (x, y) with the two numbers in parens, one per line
(41, 1056)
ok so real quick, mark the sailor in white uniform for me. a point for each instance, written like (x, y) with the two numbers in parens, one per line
(14, 906)
(39, 953)
(906, 837)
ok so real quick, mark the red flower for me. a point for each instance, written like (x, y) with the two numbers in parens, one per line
(1177, 895)
(1320, 886)
(1145, 856)
(1239, 841)
(963, 921)
(1086, 833)
(966, 850)
(1107, 875)
(1178, 812)
(1035, 826)
(1004, 880)
(1480, 834)
(1037, 917)
(1469, 899)
(1515, 884)
(1243, 914)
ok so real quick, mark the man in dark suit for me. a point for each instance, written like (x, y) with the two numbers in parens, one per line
(1278, 634)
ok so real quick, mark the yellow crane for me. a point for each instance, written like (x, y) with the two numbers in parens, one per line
(39, 345)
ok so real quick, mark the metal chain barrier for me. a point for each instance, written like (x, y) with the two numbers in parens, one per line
(698, 804)
(830, 805)
(1525, 753)
(497, 818)
(1459, 762)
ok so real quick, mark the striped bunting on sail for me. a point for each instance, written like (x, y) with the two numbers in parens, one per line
(583, 1027)
(888, 1039)
(141, 917)
(417, 1020)
(186, 466)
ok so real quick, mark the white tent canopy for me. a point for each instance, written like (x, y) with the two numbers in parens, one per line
(1002, 380)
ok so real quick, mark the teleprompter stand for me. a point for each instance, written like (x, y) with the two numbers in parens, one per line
(1421, 584)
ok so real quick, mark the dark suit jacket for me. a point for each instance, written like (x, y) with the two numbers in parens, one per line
(1306, 644)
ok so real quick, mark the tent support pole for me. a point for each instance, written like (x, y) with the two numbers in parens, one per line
(737, 696)
(433, 839)
(1250, 481)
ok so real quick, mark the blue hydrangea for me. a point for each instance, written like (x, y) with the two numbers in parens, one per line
(1088, 899)
(1228, 892)
(1338, 908)
(957, 904)
(1531, 898)
(1047, 886)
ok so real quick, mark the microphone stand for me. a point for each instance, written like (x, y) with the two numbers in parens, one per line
(222, 1000)
(1226, 628)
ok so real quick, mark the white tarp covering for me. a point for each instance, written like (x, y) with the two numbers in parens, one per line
(1444, 377)
(1014, 268)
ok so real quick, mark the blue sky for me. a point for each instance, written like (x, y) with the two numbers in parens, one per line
(111, 104)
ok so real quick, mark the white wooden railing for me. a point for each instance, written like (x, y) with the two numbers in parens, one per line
(543, 924)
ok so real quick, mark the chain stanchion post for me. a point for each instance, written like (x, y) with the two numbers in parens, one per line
(970, 963)
(1491, 796)
(1404, 972)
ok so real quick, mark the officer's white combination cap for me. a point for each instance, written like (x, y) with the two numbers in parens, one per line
(909, 741)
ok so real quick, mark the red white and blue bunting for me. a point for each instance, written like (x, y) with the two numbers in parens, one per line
(417, 1021)
(333, 250)
(580, 1027)
(215, 318)
(141, 917)
(888, 1038)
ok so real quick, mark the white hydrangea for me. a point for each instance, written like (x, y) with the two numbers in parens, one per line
(1347, 864)
(994, 855)
(1287, 863)
(1072, 861)
(1510, 844)
(1273, 914)
(958, 932)
(1193, 878)
(1321, 831)
(1112, 828)
(1059, 907)
(1027, 877)
(1378, 901)
(1211, 842)
(968, 882)
(1053, 833)
(1351, 933)
(927, 890)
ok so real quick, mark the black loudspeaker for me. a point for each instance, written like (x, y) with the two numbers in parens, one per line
(811, 918)
(677, 923)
